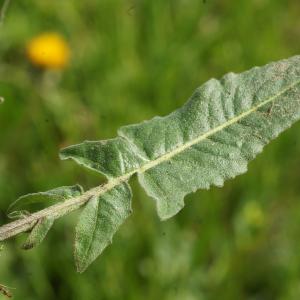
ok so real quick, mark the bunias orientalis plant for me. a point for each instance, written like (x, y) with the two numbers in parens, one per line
(222, 127)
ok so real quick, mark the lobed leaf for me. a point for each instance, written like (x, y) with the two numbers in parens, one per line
(222, 127)
(212, 138)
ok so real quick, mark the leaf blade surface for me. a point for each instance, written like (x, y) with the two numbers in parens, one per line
(28, 201)
(38, 233)
(222, 127)
(98, 222)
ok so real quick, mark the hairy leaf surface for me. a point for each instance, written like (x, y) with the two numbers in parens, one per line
(38, 233)
(212, 138)
(223, 126)
(99, 221)
(24, 205)
(28, 202)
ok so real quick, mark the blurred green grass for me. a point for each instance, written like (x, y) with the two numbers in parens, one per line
(132, 60)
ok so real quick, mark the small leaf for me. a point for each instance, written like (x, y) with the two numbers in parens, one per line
(36, 200)
(98, 222)
(38, 233)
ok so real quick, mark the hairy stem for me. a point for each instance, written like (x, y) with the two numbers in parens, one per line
(58, 210)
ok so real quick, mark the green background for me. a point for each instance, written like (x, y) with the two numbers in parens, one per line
(132, 60)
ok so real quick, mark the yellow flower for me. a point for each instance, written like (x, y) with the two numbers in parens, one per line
(49, 51)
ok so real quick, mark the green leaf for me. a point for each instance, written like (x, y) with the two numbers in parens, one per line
(20, 207)
(38, 233)
(41, 199)
(212, 138)
(100, 219)
(112, 158)
(222, 127)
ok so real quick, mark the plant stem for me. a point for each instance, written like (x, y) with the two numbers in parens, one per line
(58, 210)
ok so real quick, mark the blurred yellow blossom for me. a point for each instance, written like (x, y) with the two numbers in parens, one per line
(48, 50)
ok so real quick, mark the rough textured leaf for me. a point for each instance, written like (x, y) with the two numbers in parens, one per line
(100, 219)
(38, 233)
(26, 203)
(29, 201)
(223, 126)
(113, 158)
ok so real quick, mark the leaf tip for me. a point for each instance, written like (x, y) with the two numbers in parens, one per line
(63, 153)
(80, 268)
(81, 264)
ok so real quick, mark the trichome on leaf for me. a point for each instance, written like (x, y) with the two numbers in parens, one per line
(222, 127)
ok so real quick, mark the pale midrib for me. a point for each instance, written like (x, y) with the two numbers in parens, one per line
(209, 133)
(63, 208)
